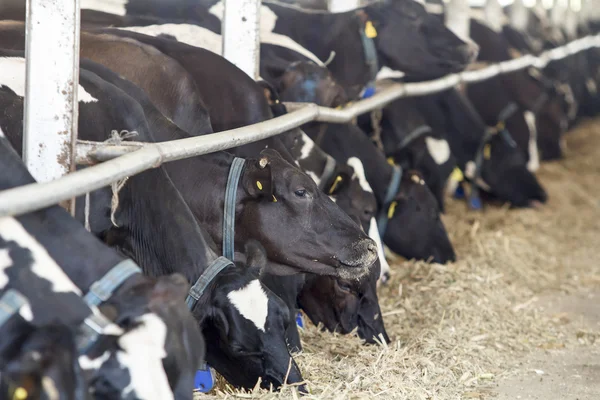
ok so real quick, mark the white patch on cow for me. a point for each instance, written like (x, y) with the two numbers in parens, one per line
(268, 19)
(252, 303)
(388, 73)
(496, 26)
(432, 8)
(567, 91)
(1, 133)
(314, 177)
(359, 172)
(43, 265)
(193, 35)
(470, 169)
(438, 149)
(374, 234)
(50, 389)
(534, 158)
(591, 86)
(108, 6)
(142, 355)
(26, 313)
(307, 146)
(89, 364)
(5, 262)
(13, 77)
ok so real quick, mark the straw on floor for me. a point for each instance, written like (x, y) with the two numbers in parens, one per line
(458, 328)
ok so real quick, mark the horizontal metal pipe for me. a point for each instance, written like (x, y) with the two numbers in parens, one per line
(34, 196)
(130, 158)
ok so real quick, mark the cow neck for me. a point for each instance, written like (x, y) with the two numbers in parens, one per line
(500, 129)
(329, 32)
(386, 211)
(369, 51)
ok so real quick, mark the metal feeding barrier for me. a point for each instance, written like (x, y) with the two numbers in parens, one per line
(121, 161)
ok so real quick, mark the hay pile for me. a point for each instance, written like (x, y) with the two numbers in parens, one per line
(458, 328)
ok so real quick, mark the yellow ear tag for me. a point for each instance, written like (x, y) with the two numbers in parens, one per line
(500, 126)
(20, 394)
(370, 30)
(274, 198)
(338, 179)
(259, 185)
(487, 151)
(391, 161)
(392, 209)
(457, 175)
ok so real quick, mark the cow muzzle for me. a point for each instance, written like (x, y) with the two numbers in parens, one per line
(356, 259)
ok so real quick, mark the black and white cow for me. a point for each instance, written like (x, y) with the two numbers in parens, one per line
(171, 241)
(412, 143)
(503, 168)
(414, 228)
(349, 252)
(369, 34)
(160, 341)
(540, 106)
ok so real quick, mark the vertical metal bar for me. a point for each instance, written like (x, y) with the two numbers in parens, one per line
(494, 14)
(457, 17)
(52, 76)
(343, 5)
(519, 15)
(241, 34)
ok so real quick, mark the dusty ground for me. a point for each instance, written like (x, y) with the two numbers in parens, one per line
(517, 316)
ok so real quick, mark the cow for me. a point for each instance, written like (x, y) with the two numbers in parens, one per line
(353, 201)
(369, 34)
(347, 253)
(161, 341)
(502, 169)
(178, 245)
(540, 106)
(412, 143)
(404, 203)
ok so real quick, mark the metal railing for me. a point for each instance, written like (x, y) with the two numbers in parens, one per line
(130, 158)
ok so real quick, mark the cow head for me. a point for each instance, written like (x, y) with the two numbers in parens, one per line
(505, 175)
(306, 82)
(317, 235)
(415, 229)
(245, 324)
(155, 354)
(415, 42)
(413, 144)
(46, 367)
(343, 305)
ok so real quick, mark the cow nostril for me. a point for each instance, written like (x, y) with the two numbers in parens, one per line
(372, 247)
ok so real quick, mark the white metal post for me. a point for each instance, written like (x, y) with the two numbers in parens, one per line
(519, 15)
(343, 5)
(558, 13)
(494, 15)
(457, 17)
(241, 34)
(50, 115)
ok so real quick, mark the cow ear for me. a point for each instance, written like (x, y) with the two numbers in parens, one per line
(258, 180)
(340, 179)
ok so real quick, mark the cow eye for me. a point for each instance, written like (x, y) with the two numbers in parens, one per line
(300, 193)
(344, 286)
